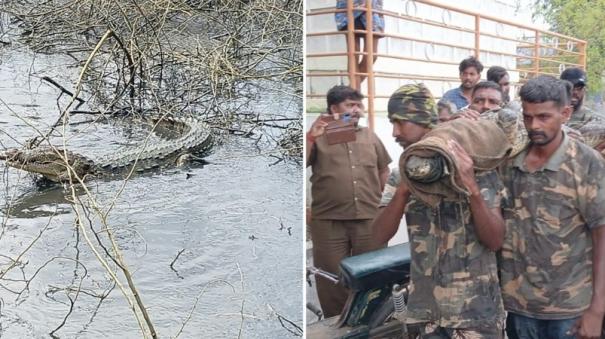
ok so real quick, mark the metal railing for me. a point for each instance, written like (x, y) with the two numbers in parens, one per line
(529, 51)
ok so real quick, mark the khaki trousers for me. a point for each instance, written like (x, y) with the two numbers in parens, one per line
(334, 240)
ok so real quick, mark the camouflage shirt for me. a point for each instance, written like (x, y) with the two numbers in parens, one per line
(454, 278)
(390, 187)
(546, 259)
(583, 116)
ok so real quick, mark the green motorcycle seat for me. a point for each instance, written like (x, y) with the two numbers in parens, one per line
(376, 268)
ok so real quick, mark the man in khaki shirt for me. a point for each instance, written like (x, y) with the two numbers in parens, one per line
(347, 182)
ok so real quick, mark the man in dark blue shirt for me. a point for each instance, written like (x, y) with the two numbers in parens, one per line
(470, 73)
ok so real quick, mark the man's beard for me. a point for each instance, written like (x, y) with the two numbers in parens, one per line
(468, 84)
(402, 142)
(577, 105)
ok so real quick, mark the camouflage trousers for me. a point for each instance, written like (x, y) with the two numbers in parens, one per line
(434, 331)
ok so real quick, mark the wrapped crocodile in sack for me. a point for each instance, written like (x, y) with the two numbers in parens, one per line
(429, 170)
(430, 173)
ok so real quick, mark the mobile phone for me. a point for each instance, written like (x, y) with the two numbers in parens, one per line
(327, 117)
(346, 117)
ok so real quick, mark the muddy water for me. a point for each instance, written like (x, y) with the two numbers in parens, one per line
(233, 227)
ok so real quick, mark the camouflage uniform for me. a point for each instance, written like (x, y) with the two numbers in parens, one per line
(583, 116)
(546, 259)
(454, 279)
(454, 287)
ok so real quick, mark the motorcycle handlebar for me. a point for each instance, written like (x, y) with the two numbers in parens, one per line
(324, 274)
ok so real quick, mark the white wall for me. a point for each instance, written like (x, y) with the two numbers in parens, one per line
(385, 86)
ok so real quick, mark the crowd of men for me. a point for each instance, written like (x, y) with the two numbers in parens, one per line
(522, 253)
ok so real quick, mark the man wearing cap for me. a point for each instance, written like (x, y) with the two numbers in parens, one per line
(415, 133)
(581, 114)
(346, 183)
(454, 288)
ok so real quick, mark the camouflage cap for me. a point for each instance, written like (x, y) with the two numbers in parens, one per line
(415, 103)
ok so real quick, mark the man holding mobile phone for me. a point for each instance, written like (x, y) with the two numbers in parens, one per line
(347, 182)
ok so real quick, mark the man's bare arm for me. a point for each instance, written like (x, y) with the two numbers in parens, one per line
(489, 224)
(387, 221)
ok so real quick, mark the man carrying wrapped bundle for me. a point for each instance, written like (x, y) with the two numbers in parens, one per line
(454, 289)
(552, 261)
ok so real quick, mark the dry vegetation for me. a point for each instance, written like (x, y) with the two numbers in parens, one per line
(208, 58)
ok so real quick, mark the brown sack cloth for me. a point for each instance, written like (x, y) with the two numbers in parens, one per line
(483, 140)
